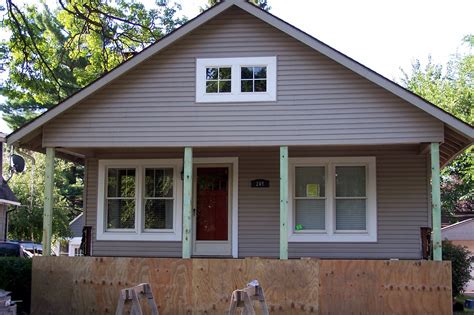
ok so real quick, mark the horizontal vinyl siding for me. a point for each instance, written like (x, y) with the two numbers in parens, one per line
(402, 206)
(318, 100)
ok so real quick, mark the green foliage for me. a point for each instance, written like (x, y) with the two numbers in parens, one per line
(452, 89)
(460, 265)
(15, 276)
(25, 223)
(53, 53)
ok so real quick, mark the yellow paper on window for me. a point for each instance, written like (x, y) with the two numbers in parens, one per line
(312, 190)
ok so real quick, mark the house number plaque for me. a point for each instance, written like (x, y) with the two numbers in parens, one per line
(260, 183)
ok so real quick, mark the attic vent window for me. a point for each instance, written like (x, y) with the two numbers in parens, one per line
(249, 79)
(253, 79)
(218, 80)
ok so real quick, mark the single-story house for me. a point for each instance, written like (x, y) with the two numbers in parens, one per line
(462, 233)
(239, 135)
(74, 243)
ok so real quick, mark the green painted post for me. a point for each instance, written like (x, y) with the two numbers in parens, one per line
(283, 202)
(48, 202)
(436, 201)
(187, 199)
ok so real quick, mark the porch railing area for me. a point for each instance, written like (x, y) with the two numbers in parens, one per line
(91, 285)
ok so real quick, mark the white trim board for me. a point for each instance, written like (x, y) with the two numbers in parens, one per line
(272, 20)
(9, 202)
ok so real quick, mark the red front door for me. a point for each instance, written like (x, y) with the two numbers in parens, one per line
(212, 204)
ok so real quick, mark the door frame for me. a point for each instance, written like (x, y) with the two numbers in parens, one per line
(233, 164)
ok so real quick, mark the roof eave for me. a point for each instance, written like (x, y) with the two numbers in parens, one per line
(128, 65)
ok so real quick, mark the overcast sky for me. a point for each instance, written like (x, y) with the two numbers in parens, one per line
(383, 35)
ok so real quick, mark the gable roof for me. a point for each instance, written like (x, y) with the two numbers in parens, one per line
(456, 225)
(433, 110)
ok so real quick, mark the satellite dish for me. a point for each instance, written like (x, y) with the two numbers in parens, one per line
(17, 163)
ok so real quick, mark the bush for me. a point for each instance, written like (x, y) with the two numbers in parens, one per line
(460, 264)
(15, 276)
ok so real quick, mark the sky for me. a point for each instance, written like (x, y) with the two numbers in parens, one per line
(384, 35)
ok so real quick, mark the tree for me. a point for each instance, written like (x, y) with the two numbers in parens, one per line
(452, 89)
(25, 222)
(262, 4)
(53, 53)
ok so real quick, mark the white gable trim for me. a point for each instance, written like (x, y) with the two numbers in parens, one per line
(294, 32)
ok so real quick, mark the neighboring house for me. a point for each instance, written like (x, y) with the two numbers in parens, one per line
(462, 233)
(76, 226)
(7, 197)
(239, 135)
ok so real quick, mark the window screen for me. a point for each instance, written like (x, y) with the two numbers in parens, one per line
(351, 198)
(158, 199)
(120, 198)
(310, 198)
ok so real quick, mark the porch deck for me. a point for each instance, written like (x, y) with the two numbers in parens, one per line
(91, 285)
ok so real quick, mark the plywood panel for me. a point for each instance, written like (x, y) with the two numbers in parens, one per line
(86, 285)
(291, 287)
(385, 287)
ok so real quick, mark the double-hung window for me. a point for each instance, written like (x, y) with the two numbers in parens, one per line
(332, 200)
(139, 200)
(249, 79)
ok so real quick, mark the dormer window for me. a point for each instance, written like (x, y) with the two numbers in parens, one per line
(249, 79)
(218, 80)
(253, 79)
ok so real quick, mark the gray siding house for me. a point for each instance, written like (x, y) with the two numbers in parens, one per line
(239, 135)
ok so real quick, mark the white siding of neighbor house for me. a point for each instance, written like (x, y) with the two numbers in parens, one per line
(402, 206)
(463, 231)
(318, 100)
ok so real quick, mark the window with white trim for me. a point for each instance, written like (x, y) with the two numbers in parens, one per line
(332, 200)
(139, 200)
(248, 79)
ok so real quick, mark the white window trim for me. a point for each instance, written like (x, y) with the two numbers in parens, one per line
(139, 233)
(235, 95)
(330, 234)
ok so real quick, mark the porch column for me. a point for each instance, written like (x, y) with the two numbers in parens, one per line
(436, 201)
(187, 205)
(48, 201)
(284, 202)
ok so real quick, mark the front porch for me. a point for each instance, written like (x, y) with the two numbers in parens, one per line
(262, 221)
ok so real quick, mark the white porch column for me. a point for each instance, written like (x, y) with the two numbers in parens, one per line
(187, 202)
(48, 202)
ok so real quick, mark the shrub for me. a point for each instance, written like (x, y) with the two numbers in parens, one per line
(460, 264)
(15, 276)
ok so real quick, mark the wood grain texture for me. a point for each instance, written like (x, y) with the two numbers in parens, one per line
(385, 287)
(87, 285)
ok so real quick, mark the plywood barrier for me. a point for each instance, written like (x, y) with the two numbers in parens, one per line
(90, 285)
